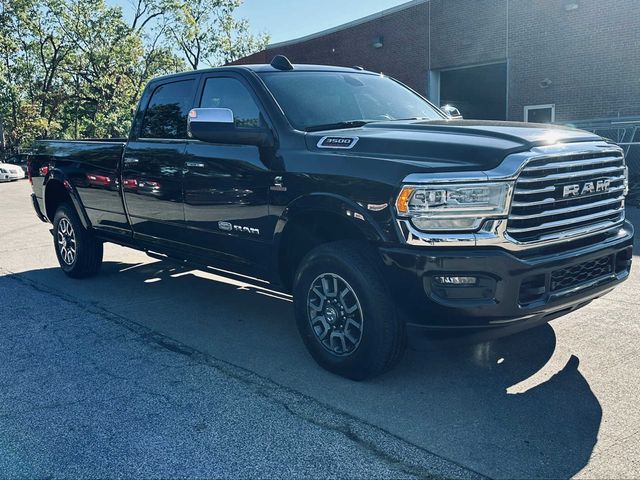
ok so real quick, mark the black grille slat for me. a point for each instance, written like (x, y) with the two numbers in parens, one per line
(575, 158)
(606, 171)
(603, 219)
(574, 208)
(571, 165)
(539, 210)
(581, 273)
(614, 191)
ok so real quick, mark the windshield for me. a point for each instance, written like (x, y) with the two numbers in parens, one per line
(317, 100)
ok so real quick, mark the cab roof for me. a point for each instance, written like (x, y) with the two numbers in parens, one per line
(299, 67)
(265, 68)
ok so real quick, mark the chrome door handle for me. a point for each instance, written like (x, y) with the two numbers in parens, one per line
(195, 164)
(131, 160)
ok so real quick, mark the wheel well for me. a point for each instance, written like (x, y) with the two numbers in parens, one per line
(54, 195)
(304, 233)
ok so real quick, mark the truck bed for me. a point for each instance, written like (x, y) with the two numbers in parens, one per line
(92, 168)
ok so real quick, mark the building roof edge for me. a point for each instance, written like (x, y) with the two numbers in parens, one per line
(344, 26)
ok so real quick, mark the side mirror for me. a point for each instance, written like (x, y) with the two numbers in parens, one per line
(217, 125)
(451, 112)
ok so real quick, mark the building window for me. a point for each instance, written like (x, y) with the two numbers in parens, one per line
(540, 113)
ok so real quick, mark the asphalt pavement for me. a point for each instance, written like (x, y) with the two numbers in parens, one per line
(154, 370)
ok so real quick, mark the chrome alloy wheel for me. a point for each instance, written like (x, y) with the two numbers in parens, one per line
(67, 242)
(335, 314)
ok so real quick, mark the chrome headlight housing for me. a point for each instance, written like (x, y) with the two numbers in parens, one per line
(453, 206)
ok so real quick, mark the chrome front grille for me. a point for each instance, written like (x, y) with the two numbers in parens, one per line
(541, 211)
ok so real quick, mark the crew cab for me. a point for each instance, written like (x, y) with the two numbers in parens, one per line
(379, 212)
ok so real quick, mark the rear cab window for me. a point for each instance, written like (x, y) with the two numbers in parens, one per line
(166, 113)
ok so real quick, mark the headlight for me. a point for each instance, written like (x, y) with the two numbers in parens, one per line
(453, 207)
(2, 170)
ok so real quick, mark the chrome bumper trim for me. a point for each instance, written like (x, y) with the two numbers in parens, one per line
(494, 234)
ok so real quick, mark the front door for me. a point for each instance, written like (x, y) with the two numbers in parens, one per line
(226, 186)
(153, 164)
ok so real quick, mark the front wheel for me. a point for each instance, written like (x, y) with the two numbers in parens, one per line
(344, 312)
(79, 252)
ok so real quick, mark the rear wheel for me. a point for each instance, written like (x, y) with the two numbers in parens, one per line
(79, 252)
(344, 312)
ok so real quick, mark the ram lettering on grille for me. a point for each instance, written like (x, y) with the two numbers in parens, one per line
(560, 196)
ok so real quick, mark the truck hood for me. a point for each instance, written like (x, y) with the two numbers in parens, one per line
(447, 144)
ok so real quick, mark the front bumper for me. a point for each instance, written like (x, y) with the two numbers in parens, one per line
(512, 290)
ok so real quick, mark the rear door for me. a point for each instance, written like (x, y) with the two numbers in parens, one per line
(153, 162)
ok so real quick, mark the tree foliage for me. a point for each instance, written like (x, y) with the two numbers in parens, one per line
(75, 68)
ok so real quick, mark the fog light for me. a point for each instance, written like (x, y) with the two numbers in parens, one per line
(456, 280)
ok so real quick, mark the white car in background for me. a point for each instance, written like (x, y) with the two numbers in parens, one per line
(9, 172)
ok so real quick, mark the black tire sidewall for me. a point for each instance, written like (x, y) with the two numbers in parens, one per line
(380, 325)
(88, 250)
(64, 212)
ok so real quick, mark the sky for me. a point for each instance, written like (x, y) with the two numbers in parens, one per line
(289, 19)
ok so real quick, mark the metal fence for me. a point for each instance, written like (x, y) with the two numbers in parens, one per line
(624, 131)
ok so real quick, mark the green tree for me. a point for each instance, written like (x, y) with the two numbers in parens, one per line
(32, 52)
(76, 68)
(206, 31)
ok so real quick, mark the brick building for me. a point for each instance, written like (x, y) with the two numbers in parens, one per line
(567, 61)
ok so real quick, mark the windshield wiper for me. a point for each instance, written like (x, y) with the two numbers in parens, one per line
(410, 118)
(338, 125)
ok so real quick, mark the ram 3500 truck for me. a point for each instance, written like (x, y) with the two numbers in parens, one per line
(374, 208)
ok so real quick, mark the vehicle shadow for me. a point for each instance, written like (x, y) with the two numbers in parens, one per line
(449, 396)
(546, 427)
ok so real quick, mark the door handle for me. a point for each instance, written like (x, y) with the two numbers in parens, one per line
(195, 164)
(131, 160)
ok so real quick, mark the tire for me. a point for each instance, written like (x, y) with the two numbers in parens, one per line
(79, 252)
(348, 274)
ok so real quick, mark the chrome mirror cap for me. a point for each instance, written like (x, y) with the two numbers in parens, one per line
(451, 112)
(211, 115)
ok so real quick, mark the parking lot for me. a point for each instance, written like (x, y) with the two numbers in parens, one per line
(155, 370)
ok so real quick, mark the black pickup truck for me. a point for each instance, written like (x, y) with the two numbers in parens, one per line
(380, 213)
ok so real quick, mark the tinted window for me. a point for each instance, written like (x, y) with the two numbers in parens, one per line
(166, 115)
(320, 98)
(539, 115)
(229, 93)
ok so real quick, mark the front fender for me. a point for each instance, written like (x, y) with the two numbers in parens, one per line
(344, 207)
(307, 208)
